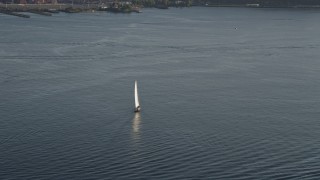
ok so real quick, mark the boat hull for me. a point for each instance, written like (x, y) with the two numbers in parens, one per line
(137, 109)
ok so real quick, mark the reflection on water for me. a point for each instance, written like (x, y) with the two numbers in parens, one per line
(136, 125)
(218, 103)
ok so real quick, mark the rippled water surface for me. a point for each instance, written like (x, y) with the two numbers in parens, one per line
(226, 93)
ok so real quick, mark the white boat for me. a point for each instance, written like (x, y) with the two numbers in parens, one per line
(136, 98)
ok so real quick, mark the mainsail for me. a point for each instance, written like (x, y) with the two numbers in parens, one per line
(136, 98)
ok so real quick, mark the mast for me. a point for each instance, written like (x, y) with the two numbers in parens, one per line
(136, 98)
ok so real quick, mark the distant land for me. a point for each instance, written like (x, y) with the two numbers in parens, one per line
(47, 7)
(184, 3)
(261, 3)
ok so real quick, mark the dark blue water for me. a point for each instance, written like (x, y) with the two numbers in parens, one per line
(226, 93)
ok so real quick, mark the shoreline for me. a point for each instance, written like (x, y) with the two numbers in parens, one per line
(48, 9)
(96, 6)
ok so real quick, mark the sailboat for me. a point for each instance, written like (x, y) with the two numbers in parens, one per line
(136, 98)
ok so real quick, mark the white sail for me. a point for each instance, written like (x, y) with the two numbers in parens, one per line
(136, 97)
